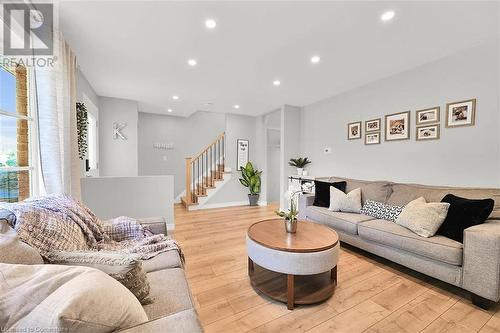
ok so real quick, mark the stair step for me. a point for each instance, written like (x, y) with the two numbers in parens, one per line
(183, 201)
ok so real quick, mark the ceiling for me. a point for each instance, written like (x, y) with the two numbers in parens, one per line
(139, 50)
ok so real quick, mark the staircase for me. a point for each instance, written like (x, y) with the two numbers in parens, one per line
(205, 174)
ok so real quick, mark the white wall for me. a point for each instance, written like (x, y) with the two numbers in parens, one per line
(117, 157)
(273, 165)
(290, 145)
(468, 156)
(238, 127)
(188, 135)
(137, 197)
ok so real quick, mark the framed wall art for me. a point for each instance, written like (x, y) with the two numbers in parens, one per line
(242, 153)
(372, 138)
(372, 125)
(428, 116)
(429, 132)
(354, 131)
(461, 113)
(397, 126)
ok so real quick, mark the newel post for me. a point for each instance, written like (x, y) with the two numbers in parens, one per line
(189, 196)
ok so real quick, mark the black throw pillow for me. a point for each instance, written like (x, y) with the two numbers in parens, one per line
(462, 214)
(322, 192)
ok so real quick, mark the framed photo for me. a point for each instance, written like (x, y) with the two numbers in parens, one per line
(461, 113)
(429, 132)
(372, 125)
(428, 116)
(242, 153)
(354, 131)
(397, 126)
(372, 138)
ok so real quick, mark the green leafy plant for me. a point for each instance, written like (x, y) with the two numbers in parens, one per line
(250, 178)
(299, 162)
(81, 128)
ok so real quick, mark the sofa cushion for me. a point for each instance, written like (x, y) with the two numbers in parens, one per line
(169, 259)
(322, 192)
(373, 190)
(181, 322)
(126, 268)
(15, 251)
(390, 234)
(65, 299)
(345, 222)
(345, 202)
(404, 193)
(169, 293)
(423, 218)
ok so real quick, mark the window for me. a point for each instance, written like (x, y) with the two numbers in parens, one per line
(92, 141)
(14, 145)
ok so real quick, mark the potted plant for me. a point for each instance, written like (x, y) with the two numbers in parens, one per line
(299, 163)
(251, 179)
(291, 215)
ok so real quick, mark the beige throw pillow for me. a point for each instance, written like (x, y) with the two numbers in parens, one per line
(423, 218)
(341, 202)
(53, 298)
(124, 267)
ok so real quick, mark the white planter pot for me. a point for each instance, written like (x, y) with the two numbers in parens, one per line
(299, 171)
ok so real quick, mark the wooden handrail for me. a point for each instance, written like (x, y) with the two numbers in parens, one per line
(203, 168)
(210, 145)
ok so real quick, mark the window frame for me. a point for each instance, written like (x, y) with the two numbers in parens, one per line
(31, 125)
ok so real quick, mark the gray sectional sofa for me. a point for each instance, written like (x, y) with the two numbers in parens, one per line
(473, 265)
(173, 307)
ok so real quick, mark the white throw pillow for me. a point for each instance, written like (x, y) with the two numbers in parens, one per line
(341, 202)
(65, 299)
(423, 218)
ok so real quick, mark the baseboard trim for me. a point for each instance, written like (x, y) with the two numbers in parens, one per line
(225, 204)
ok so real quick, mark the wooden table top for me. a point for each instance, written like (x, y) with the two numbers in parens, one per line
(310, 237)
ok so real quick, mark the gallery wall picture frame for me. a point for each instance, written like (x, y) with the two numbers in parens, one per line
(462, 113)
(242, 158)
(354, 130)
(373, 125)
(397, 126)
(372, 138)
(428, 116)
(428, 132)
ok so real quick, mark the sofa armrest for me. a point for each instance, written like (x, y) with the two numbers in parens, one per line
(157, 225)
(304, 201)
(185, 321)
(481, 268)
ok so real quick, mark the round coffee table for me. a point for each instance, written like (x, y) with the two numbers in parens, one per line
(299, 268)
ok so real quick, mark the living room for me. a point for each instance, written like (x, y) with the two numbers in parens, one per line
(298, 166)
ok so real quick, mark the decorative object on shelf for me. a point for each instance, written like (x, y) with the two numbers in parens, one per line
(428, 116)
(290, 216)
(461, 113)
(397, 126)
(354, 131)
(117, 130)
(430, 132)
(82, 124)
(299, 163)
(242, 153)
(372, 125)
(251, 179)
(372, 138)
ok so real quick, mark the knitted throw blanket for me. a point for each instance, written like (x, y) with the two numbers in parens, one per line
(61, 223)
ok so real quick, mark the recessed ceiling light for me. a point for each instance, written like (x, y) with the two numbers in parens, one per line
(175, 97)
(236, 106)
(170, 110)
(388, 15)
(210, 23)
(192, 62)
(276, 82)
(315, 59)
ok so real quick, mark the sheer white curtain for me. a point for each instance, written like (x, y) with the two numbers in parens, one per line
(54, 108)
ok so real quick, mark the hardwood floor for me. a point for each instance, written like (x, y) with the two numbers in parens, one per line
(373, 294)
